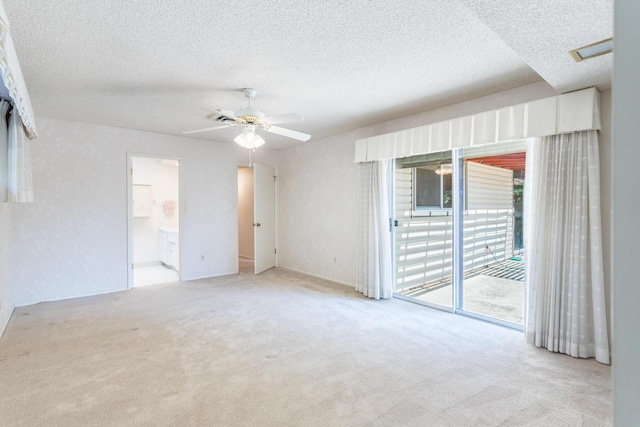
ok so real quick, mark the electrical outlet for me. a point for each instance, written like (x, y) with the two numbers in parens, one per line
(335, 260)
(202, 258)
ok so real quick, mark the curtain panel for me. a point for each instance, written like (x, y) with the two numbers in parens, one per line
(12, 79)
(20, 183)
(564, 278)
(16, 184)
(4, 150)
(374, 277)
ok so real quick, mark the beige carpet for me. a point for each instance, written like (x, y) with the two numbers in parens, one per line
(281, 349)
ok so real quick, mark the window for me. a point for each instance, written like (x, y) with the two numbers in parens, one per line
(432, 186)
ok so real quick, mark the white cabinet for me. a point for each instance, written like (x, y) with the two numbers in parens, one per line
(141, 201)
(172, 256)
(164, 247)
(170, 248)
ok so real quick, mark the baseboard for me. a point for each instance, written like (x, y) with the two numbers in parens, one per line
(93, 294)
(146, 264)
(209, 277)
(26, 304)
(319, 277)
(5, 323)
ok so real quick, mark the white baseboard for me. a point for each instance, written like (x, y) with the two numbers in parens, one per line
(319, 277)
(111, 291)
(26, 304)
(209, 277)
(146, 264)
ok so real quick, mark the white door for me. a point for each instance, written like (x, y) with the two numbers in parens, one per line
(264, 208)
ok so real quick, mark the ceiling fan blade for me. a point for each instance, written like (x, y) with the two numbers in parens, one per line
(289, 133)
(188, 132)
(283, 118)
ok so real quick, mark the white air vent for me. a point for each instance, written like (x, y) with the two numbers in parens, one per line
(592, 50)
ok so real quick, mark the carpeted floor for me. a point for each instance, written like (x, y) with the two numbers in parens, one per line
(281, 349)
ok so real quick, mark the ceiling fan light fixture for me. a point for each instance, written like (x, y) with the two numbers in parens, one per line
(444, 170)
(249, 138)
(250, 119)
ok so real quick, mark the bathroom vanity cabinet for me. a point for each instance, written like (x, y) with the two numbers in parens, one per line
(170, 248)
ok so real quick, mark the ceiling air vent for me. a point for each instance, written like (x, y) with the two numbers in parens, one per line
(218, 117)
(592, 50)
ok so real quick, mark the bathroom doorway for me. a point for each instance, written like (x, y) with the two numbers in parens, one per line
(256, 218)
(245, 219)
(154, 220)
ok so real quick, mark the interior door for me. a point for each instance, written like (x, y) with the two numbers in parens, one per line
(264, 208)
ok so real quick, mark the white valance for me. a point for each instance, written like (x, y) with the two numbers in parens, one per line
(12, 77)
(570, 112)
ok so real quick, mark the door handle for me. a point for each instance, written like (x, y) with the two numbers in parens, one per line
(256, 224)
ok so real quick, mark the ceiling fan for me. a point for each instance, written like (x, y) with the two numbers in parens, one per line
(251, 119)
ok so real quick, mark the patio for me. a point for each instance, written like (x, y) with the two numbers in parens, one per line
(496, 290)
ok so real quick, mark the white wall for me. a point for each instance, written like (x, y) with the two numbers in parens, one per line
(626, 205)
(73, 240)
(163, 180)
(606, 193)
(6, 300)
(245, 212)
(317, 208)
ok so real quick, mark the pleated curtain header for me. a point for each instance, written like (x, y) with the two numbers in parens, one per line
(12, 77)
(570, 112)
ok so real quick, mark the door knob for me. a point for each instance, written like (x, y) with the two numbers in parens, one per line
(256, 224)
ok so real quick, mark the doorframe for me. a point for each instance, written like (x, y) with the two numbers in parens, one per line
(129, 172)
(277, 175)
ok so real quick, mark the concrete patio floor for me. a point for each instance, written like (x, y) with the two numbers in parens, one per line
(496, 291)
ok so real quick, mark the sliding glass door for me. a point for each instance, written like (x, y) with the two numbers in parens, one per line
(492, 283)
(458, 235)
(424, 229)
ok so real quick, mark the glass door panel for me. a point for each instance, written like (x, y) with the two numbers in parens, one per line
(492, 281)
(423, 233)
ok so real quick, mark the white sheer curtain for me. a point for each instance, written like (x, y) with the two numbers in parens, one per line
(374, 276)
(4, 150)
(20, 184)
(564, 278)
(12, 79)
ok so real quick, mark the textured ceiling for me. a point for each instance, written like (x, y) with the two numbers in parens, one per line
(543, 31)
(156, 65)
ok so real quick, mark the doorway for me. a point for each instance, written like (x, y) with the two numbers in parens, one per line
(245, 219)
(256, 218)
(154, 220)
